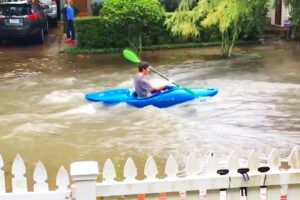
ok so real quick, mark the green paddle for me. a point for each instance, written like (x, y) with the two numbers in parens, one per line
(131, 56)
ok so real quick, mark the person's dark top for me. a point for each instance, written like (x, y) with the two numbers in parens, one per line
(142, 87)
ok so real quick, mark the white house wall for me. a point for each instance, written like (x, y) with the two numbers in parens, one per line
(284, 13)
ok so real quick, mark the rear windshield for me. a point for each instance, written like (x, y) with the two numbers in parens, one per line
(16, 10)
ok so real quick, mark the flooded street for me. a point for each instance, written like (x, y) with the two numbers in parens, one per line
(44, 116)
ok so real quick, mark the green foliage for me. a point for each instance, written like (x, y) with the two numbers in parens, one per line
(95, 32)
(99, 33)
(133, 20)
(294, 11)
(170, 5)
(96, 8)
(232, 17)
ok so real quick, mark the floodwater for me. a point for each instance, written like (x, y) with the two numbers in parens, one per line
(44, 116)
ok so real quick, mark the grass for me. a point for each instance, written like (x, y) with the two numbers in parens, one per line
(77, 50)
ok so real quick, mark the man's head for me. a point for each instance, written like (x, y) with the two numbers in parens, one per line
(144, 66)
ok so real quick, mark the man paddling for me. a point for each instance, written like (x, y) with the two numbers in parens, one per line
(142, 87)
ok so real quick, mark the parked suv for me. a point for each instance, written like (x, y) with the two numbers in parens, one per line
(51, 11)
(23, 18)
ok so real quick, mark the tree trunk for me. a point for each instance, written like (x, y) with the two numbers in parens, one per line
(140, 45)
(234, 38)
(226, 44)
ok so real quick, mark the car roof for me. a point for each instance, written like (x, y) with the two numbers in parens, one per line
(18, 1)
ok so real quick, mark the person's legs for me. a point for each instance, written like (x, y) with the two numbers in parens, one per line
(72, 30)
(69, 29)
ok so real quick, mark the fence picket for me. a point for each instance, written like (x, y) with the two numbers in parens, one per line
(109, 171)
(274, 160)
(62, 179)
(213, 195)
(233, 162)
(274, 192)
(211, 164)
(210, 168)
(253, 193)
(294, 159)
(150, 168)
(171, 168)
(253, 161)
(130, 171)
(40, 177)
(233, 193)
(19, 182)
(192, 165)
(2, 177)
(253, 165)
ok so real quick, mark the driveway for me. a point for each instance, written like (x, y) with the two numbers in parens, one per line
(52, 44)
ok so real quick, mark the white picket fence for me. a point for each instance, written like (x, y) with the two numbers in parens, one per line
(251, 180)
(41, 189)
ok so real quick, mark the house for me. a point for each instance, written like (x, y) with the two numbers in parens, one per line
(84, 6)
(279, 12)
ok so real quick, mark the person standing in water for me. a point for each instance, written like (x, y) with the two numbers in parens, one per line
(70, 13)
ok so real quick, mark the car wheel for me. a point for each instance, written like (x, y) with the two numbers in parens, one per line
(46, 28)
(41, 37)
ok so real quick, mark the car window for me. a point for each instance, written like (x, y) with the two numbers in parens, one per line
(47, 2)
(17, 10)
(34, 9)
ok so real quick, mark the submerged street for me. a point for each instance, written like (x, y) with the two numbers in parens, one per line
(43, 109)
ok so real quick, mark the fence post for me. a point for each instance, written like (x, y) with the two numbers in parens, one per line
(84, 175)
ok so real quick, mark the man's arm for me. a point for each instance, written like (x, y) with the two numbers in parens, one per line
(159, 87)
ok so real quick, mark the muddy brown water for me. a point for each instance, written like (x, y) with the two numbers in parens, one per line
(44, 116)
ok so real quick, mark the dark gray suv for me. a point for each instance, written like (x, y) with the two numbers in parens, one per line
(23, 18)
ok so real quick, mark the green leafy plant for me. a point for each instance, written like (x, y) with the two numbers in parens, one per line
(133, 20)
(170, 5)
(294, 6)
(230, 16)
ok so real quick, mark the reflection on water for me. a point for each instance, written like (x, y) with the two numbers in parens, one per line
(43, 114)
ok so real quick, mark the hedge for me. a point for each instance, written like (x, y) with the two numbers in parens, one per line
(94, 33)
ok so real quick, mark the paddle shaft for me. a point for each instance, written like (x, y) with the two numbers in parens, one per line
(156, 72)
(184, 88)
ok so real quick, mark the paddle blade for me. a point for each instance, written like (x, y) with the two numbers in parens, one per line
(131, 56)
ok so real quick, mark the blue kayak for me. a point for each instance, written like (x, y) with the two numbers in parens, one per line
(171, 96)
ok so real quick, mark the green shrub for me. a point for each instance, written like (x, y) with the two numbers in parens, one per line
(133, 21)
(102, 32)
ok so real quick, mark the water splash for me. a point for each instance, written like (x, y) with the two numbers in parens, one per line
(62, 96)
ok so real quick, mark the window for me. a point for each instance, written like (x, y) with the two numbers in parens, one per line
(17, 10)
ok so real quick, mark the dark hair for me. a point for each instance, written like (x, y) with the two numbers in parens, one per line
(143, 65)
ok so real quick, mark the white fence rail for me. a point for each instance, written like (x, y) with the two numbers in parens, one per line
(235, 180)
